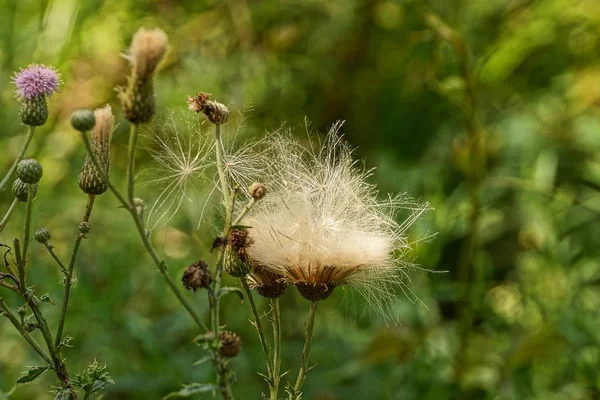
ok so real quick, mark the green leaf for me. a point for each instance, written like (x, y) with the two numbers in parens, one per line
(225, 290)
(33, 373)
(47, 299)
(63, 394)
(203, 360)
(191, 389)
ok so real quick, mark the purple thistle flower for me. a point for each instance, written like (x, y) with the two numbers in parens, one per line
(36, 80)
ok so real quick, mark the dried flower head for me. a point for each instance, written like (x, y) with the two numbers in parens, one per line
(324, 226)
(196, 276)
(36, 80)
(267, 283)
(231, 344)
(90, 180)
(148, 47)
(217, 113)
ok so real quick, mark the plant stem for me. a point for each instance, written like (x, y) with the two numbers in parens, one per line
(160, 264)
(26, 233)
(13, 319)
(61, 265)
(305, 353)
(69, 274)
(276, 348)
(133, 137)
(257, 323)
(13, 167)
(8, 214)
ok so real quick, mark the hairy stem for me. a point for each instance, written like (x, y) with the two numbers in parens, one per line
(276, 348)
(26, 233)
(69, 274)
(8, 214)
(297, 392)
(13, 167)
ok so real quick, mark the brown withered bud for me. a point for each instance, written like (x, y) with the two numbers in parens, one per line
(231, 344)
(257, 190)
(196, 276)
(266, 283)
(217, 113)
(315, 291)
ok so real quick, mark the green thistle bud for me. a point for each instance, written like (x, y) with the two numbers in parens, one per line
(84, 228)
(42, 235)
(34, 111)
(21, 190)
(90, 179)
(29, 170)
(83, 120)
(231, 344)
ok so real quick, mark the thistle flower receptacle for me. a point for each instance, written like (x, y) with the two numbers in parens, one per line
(34, 83)
(83, 120)
(237, 262)
(266, 283)
(29, 170)
(231, 344)
(90, 179)
(42, 235)
(148, 48)
(21, 190)
(323, 225)
(196, 276)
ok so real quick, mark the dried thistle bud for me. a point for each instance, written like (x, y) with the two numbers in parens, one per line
(266, 283)
(148, 47)
(231, 344)
(196, 276)
(29, 170)
(90, 179)
(237, 262)
(315, 291)
(42, 235)
(257, 190)
(20, 190)
(83, 120)
(217, 113)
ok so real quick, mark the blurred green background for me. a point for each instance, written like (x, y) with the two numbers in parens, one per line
(504, 143)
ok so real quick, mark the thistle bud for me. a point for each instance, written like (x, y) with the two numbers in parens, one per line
(42, 235)
(84, 228)
(29, 170)
(257, 190)
(237, 262)
(34, 83)
(196, 276)
(20, 190)
(148, 47)
(90, 179)
(231, 344)
(83, 120)
(217, 113)
(315, 291)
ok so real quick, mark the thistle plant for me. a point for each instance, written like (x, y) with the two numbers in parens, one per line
(34, 85)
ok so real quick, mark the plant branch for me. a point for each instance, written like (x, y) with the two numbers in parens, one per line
(13, 167)
(276, 322)
(297, 391)
(8, 214)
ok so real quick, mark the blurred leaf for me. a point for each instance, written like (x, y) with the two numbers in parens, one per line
(192, 389)
(32, 374)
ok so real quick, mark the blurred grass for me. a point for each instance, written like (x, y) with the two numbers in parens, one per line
(535, 330)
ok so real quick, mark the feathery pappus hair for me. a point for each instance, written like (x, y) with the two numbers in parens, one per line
(323, 225)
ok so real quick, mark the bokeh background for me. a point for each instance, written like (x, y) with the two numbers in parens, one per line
(487, 109)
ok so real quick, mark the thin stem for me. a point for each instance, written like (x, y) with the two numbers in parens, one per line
(276, 348)
(133, 136)
(220, 170)
(61, 265)
(26, 233)
(13, 167)
(13, 319)
(305, 353)
(69, 274)
(244, 211)
(8, 214)
(261, 334)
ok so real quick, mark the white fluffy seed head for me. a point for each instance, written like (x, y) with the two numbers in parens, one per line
(323, 223)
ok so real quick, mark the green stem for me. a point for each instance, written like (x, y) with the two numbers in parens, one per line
(305, 353)
(244, 211)
(61, 265)
(8, 214)
(26, 233)
(276, 348)
(133, 137)
(70, 270)
(13, 167)
(257, 323)
(13, 319)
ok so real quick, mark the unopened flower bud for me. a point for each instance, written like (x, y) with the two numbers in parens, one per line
(196, 276)
(83, 120)
(90, 179)
(231, 344)
(217, 113)
(29, 170)
(84, 228)
(257, 190)
(20, 190)
(42, 235)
